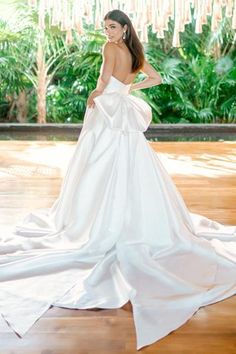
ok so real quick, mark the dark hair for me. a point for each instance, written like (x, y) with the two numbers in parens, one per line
(131, 40)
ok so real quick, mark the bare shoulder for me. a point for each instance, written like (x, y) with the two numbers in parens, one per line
(109, 48)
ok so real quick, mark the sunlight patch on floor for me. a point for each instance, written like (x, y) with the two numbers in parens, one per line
(205, 165)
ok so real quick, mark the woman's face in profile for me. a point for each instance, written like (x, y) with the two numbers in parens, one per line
(113, 30)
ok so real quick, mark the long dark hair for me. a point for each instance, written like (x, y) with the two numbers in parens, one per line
(132, 41)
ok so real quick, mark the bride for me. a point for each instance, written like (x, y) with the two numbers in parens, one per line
(119, 230)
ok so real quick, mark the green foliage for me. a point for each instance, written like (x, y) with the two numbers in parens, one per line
(76, 78)
(17, 51)
(16, 54)
(199, 78)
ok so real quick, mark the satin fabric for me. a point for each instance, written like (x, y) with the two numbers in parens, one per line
(118, 231)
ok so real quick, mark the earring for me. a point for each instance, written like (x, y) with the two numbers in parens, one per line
(124, 35)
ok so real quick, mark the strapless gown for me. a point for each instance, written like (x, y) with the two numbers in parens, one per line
(118, 231)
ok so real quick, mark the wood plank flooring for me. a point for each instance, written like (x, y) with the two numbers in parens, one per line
(204, 172)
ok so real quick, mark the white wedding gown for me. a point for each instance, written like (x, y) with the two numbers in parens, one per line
(118, 231)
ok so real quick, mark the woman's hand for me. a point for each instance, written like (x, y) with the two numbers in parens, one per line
(130, 89)
(93, 94)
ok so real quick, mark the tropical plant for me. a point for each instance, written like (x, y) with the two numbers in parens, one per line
(199, 78)
(76, 78)
(16, 52)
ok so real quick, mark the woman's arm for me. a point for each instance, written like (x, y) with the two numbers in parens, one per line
(153, 78)
(105, 72)
(107, 67)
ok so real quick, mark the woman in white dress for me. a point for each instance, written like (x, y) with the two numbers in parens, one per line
(119, 230)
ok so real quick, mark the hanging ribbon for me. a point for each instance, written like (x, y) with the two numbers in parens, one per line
(69, 14)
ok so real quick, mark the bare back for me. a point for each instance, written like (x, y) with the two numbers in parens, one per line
(117, 62)
(123, 65)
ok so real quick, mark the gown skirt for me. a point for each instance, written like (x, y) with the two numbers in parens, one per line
(118, 231)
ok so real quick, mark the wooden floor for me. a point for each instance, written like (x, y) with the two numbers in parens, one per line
(204, 172)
